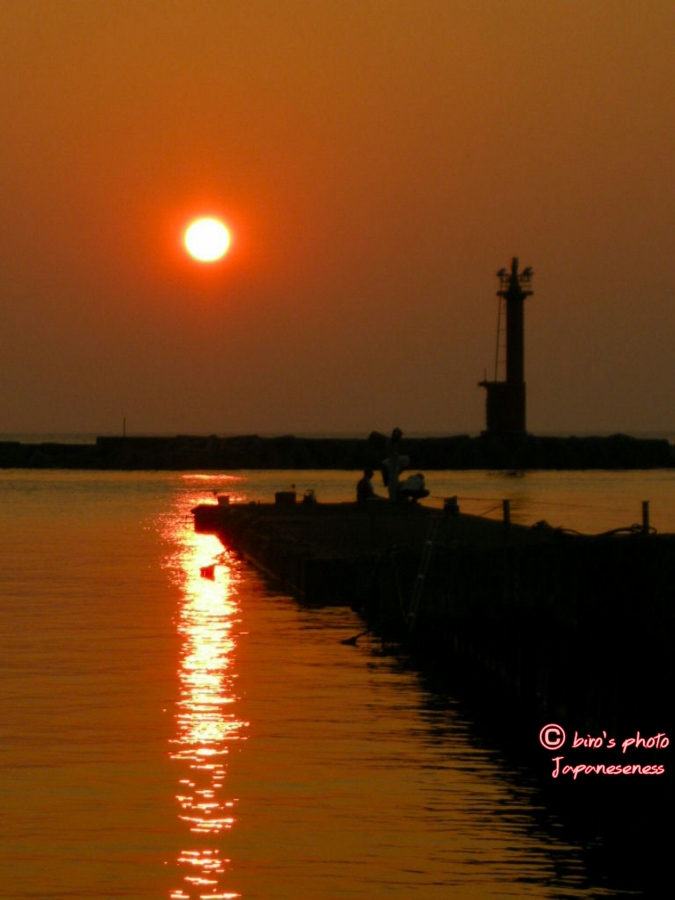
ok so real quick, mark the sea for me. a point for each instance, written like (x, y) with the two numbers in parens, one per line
(168, 735)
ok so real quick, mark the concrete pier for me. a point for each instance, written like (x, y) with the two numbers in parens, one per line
(474, 564)
(545, 614)
(526, 626)
(560, 627)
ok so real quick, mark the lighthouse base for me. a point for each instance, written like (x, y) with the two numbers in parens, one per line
(505, 407)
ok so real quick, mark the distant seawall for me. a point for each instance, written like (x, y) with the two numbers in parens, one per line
(186, 452)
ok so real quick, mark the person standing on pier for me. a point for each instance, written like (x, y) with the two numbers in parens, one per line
(393, 464)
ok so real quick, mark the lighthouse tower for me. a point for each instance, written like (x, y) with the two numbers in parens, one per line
(505, 402)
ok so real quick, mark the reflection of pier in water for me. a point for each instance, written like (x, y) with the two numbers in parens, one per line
(206, 720)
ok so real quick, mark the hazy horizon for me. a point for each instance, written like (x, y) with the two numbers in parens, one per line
(90, 437)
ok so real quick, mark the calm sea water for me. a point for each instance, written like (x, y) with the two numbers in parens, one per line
(163, 735)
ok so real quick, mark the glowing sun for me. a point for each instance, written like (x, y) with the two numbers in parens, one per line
(207, 240)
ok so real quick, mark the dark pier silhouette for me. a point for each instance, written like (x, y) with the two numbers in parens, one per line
(519, 600)
(530, 626)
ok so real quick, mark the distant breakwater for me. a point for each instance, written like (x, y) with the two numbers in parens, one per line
(186, 452)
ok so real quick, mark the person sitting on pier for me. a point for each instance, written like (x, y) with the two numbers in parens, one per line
(413, 488)
(364, 488)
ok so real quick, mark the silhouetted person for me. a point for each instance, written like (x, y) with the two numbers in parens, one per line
(364, 488)
(393, 464)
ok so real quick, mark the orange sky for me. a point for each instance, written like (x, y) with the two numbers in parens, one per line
(378, 161)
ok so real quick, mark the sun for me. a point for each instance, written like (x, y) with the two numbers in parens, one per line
(207, 240)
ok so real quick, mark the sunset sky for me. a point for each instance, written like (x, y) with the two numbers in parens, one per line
(377, 161)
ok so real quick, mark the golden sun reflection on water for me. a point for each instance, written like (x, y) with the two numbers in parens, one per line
(206, 716)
